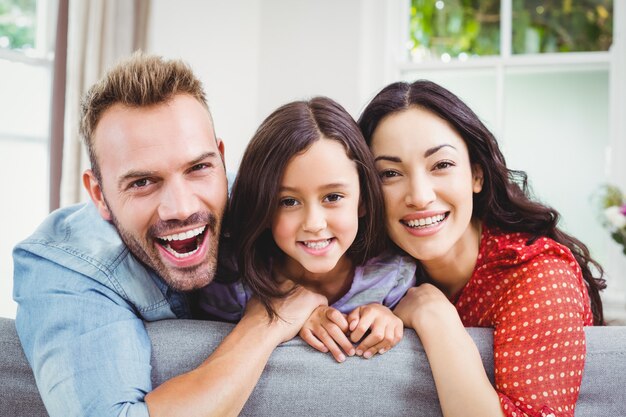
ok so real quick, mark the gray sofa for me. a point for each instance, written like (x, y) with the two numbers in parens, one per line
(300, 381)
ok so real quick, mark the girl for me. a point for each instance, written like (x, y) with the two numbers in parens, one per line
(488, 255)
(307, 207)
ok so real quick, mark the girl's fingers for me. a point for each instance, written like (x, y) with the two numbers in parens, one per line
(314, 342)
(332, 346)
(338, 318)
(341, 339)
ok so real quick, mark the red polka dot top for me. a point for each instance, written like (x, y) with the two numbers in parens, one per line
(535, 298)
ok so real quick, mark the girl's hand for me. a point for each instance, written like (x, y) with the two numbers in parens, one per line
(386, 329)
(326, 330)
(426, 305)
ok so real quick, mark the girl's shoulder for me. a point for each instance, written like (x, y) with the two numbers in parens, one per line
(388, 263)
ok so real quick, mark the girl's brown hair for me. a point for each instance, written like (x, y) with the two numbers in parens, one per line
(289, 131)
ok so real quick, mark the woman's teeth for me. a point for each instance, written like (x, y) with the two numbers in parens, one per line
(426, 221)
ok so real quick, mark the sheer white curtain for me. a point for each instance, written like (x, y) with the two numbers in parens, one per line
(100, 32)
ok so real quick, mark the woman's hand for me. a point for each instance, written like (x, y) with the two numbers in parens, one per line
(426, 306)
(386, 329)
(326, 330)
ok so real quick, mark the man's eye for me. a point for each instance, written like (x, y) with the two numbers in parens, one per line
(199, 167)
(140, 183)
(288, 202)
(333, 198)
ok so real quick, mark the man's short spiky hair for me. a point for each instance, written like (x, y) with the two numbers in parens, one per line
(139, 81)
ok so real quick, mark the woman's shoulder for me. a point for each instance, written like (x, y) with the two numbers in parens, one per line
(502, 248)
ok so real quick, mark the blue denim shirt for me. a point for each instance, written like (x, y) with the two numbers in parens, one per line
(82, 299)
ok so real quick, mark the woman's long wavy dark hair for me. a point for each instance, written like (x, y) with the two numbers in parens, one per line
(289, 131)
(504, 201)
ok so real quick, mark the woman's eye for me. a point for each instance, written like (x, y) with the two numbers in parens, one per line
(288, 202)
(388, 174)
(444, 164)
(333, 198)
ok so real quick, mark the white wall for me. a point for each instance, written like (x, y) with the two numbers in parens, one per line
(254, 56)
(220, 40)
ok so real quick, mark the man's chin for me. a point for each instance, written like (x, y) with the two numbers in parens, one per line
(189, 278)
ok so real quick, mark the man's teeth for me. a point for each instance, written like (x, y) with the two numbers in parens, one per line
(184, 235)
(426, 221)
(320, 244)
(180, 255)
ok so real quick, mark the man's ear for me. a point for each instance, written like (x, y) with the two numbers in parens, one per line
(220, 147)
(92, 185)
(477, 178)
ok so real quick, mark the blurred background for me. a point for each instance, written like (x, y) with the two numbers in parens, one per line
(547, 77)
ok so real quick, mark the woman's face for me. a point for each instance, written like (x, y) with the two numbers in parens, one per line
(428, 184)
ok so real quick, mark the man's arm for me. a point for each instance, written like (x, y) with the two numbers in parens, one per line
(89, 351)
(222, 384)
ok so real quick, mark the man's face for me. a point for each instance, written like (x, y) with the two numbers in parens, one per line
(163, 186)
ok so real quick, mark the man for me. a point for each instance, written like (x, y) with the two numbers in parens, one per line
(91, 274)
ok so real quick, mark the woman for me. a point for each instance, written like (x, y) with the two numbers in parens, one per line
(488, 255)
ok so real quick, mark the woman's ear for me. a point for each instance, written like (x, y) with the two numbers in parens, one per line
(362, 211)
(477, 178)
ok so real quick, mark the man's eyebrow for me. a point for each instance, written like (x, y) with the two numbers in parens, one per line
(133, 174)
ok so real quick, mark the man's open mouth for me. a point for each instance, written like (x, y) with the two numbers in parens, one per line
(182, 245)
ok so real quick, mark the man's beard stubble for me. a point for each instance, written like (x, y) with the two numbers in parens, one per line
(180, 279)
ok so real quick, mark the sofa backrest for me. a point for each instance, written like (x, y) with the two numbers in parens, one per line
(301, 381)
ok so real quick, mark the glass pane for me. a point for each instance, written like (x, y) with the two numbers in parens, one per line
(562, 26)
(446, 29)
(476, 87)
(18, 24)
(25, 99)
(555, 135)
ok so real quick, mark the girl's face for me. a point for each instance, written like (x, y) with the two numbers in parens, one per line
(317, 217)
(428, 184)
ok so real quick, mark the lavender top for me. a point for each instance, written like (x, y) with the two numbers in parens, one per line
(383, 279)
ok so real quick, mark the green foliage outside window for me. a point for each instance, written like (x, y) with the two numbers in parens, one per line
(463, 28)
(18, 24)
(454, 27)
(562, 25)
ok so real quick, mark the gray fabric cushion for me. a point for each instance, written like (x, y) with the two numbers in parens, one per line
(301, 381)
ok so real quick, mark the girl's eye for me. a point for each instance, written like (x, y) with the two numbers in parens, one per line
(333, 198)
(288, 202)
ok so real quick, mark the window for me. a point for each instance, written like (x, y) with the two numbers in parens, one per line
(543, 76)
(26, 51)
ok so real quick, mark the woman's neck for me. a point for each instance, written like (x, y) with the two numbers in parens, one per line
(451, 272)
(333, 284)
